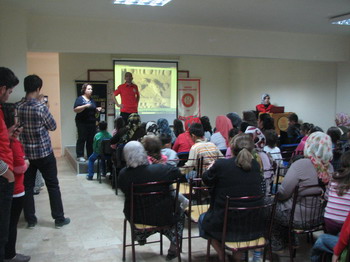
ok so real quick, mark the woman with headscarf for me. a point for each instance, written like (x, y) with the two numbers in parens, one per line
(264, 160)
(265, 106)
(132, 131)
(314, 169)
(208, 130)
(184, 142)
(139, 171)
(152, 128)
(220, 138)
(342, 121)
(164, 128)
(236, 120)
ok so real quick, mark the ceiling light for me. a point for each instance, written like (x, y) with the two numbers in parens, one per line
(142, 2)
(341, 19)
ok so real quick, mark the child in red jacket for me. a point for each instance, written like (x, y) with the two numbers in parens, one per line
(19, 167)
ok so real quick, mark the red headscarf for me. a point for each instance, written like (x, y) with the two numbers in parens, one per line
(223, 125)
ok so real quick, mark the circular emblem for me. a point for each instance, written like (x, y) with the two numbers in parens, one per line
(282, 123)
(187, 100)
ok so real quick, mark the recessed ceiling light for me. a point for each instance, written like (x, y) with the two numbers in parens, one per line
(341, 19)
(142, 2)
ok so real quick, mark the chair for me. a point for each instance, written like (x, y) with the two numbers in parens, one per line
(118, 163)
(281, 172)
(198, 204)
(307, 214)
(105, 158)
(242, 227)
(287, 151)
(145, 200)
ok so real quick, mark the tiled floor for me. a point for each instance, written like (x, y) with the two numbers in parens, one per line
(95, 233)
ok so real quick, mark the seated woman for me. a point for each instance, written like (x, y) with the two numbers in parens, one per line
(208, 130)
(266, 122)
(314, 169)
(222, 126)
(342, 120)
(305, 131)
(139, 171)
(164, 128)
(235, 177)
(337, 146)
(178, 127)
(265, 106)
(338, 194)
(236, 120)
(132, 131)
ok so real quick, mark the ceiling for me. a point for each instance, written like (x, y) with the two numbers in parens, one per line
(299, 16)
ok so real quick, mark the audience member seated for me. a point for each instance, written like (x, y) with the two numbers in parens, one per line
(184, 141)
(231, 134)
(333, 244)
(132, 131)
(201, 148)
(266, 122)
(338, 196)
(208, 130)
(342, 120)
(314, 169)
(337, 146)
(293, 131)
(235, 177)
(305, 131)
(265, 106)
(250, 118)
(152, 128)
(236, 120)
(167, 151)
(271, 146)
(263, 159)
(222, 126)
(97, 150)
(139, 171)
(164, 128)
(178, 127)
(118, 124)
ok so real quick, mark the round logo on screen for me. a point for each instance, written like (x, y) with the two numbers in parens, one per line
(187, 100)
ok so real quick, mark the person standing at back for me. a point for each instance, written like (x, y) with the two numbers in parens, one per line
(37, 122)
(130, 97)
(8, 81)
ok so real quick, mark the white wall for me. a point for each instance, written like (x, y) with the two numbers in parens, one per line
(343, 88)
(306, 88)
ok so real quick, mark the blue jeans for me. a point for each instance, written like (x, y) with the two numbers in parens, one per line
(6, 191)
(325, 243)
(48, 168)
(92, 160)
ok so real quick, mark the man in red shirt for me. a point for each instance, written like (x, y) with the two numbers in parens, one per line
(130, 97)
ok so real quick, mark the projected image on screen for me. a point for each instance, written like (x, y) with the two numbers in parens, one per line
(157, 84)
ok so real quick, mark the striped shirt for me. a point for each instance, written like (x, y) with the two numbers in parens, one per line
(37, 122)
(202, 148)
(337, 207)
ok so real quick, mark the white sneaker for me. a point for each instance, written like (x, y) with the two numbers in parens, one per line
(81, 159)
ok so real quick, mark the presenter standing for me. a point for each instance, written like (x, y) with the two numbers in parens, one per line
(265, 106)
(130, 97)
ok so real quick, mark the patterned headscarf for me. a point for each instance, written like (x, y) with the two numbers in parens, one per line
(223, 125)
(318, 147)
(263, 97)
(163, 125)
(134, 122)
(235, 119)
(258, 137)
(151, 128)
(190, 121)
(342, 119)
